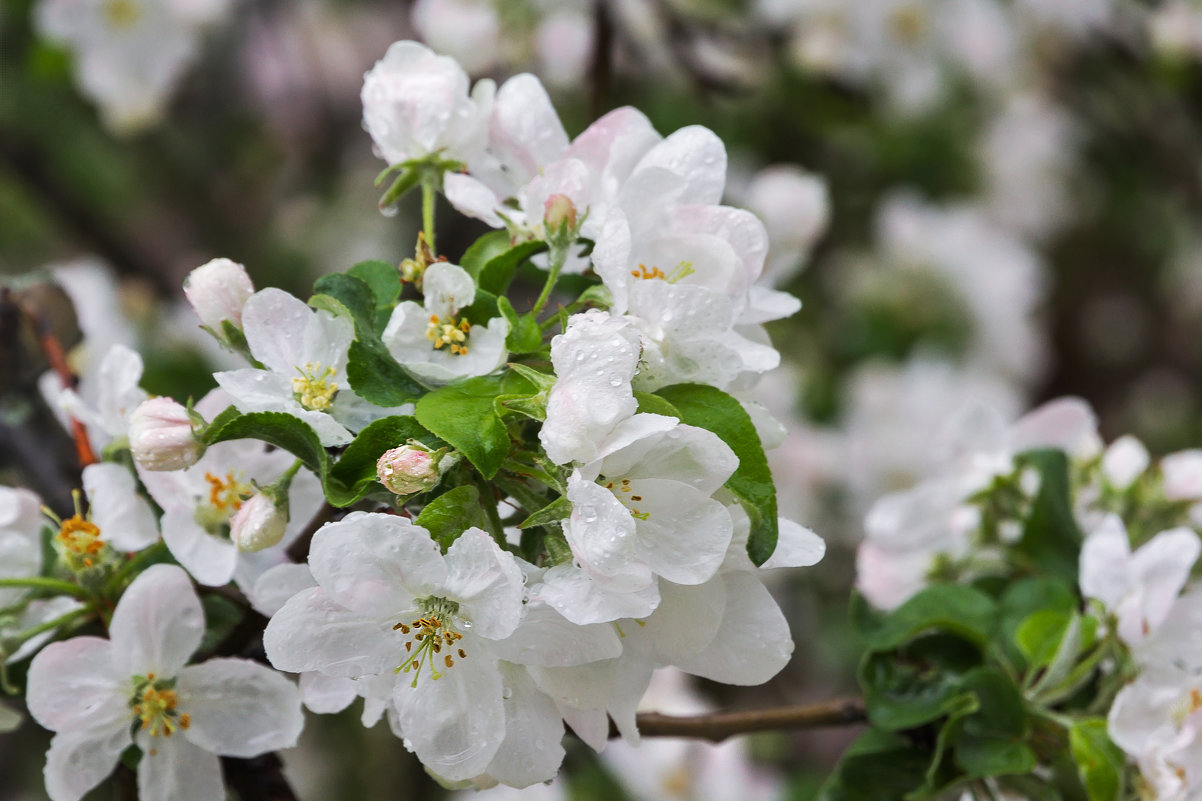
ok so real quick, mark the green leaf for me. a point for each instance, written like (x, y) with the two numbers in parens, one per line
(482, 309)
(497, 273)
(408, 179)
(1002, 711)
(463, 414)
(452, 513)
(979, 756)
(483, 250)
(1100, 763)
(654, 404)
(354, 295)
(876, 766)
(377, 377)
(384, 280)
(716, 411)
(553, 512)
(354, 474)
(952, 608)
(1022, 599)
(524, 334)
(222, 616)
(276, 428)
(1040, 634)
(1050, 536)
(908, 688)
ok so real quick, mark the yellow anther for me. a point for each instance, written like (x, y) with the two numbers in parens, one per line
(226, 494)
(449, 333)
(155, 705)
(313, 388)
(80, 537)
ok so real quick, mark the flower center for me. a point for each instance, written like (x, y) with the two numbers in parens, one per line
(447, 332)
(1187, 705)
(121, 13)
(226, 496)
(680, 271)
(155, 703)
(625, 493)
(80, 540)
(313, 388)
(428, 635)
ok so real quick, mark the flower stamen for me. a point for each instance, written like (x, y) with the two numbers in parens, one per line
(448, 333)
(313, 389)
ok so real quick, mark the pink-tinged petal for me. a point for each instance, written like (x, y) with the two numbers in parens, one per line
(745, 654)
(82, 756)
(239, 708)
(274, 322)
(696, 154)
(525, 132)
(313, 632)
(796, 546)
(158, 623)
(327, 695)
(210, 560)
(125, 519)
(685, 533)
(532, 750)
(582, 600)
(455, 724)
(1065, 423)
(73, 681)
(613, 144)
(486, 582)
(175, 769)
(376, 564)
(473, 198)
(1183, 475)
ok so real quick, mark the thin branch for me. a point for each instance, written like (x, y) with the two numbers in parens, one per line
(52, 348)
(719, 726)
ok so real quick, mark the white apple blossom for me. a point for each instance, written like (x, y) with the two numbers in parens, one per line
(129, 54)
(1124, 461)
(200, 502)
(794, 206)
(595, 360)
(416, 104)
(161, 436)
(644, 507)
(433, 342)
(1138, 587)
(101, 696)
(118, 518)
(304, 351)
(21, 524)
(104, 398)
(389, 602)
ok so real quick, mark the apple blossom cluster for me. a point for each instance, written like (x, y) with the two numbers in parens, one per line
(490, 516)
(1045, 495)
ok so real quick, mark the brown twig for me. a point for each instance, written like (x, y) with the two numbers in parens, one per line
(53, 350)
(718, 726)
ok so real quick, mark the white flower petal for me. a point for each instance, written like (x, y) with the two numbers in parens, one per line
(312, 632)
(82, 756)
(73, 682)
(210, 560)
(125, 519)
(548, 639)
(685, 534)
(796, 546)
(174, 769)
(580, 599)
(158, 623)
(239, 708)
(486, 582)
(447, 288)
(695, 154)
(473, 198)
(455, 724)
(273, 589)
(532, 750)
(685, 622)
(327, 695)
(740, 653)
(376, 564)
(602, 535)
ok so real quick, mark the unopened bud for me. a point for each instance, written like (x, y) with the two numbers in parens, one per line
(560, 213)
(406, 470)
(161, 436)
(218, 291)
(259, 523)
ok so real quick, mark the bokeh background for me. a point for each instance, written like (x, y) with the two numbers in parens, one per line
(980, 202)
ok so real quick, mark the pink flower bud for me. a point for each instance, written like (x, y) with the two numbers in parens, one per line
(406, 470)
(161, 436)
(560, 213)
(259, 523)
(218, 291)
